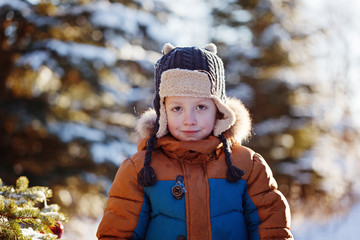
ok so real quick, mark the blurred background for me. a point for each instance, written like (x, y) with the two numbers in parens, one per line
(76, 74)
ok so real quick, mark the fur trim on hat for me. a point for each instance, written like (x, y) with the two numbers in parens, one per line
(238, 133)
(241, 130)
(145, 126)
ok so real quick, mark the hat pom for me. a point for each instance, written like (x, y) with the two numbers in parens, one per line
(211, 48)
(167, 48)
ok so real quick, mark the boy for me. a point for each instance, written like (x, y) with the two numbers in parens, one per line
(191, 177)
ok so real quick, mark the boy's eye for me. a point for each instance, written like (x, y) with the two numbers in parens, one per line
(201, 107)
(176, 109)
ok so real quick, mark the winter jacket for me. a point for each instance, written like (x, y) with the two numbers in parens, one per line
(210, 208)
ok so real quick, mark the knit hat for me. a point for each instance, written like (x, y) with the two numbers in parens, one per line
(190, 72)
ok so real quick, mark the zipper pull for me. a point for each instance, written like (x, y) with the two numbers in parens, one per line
(179, 190)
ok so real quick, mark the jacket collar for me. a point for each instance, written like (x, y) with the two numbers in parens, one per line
(190, 150)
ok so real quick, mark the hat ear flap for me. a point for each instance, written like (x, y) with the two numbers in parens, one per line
(167, 48)
(211, 48)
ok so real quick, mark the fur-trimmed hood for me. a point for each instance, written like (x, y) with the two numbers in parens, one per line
(237, 133)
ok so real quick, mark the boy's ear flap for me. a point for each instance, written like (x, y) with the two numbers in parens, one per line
(167, 48)
(211, 48)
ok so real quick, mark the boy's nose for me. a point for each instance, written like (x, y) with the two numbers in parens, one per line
(189, 118)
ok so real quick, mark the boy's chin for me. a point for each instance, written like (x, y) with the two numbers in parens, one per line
(193, 136)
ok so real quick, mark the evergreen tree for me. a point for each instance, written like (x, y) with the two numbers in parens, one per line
(73, 77)
(22, 217)
(259, 42)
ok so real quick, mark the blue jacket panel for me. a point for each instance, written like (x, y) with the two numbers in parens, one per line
(166, 216)
(233, 215)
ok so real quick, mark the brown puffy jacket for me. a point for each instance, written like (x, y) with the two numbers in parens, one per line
(211, 207)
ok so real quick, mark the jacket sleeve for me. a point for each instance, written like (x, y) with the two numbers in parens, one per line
(126, 198)
(272, 207)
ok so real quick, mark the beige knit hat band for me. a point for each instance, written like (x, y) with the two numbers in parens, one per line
(183, 82)
(191, 83)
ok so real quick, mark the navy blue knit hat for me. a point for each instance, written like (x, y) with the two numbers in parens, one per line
(191, 72)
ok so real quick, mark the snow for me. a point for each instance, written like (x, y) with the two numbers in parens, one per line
(274, 32)
(94, 179)
(189, 23)
(185, 26)
(341, 227)
(29, 232)
(79, 52)
(35, 59)
(242, 91)
(21, 6)
(75, 52)
(114, 151)
(69, 131)
(106, 15)
(241, 36)
(272, 125)
(126, 96)
(115, 16)
(81, 228)
(146, 58)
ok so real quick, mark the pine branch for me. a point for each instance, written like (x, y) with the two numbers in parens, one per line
(20, 218)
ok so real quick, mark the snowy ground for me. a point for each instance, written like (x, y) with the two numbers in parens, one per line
(81, 229)
(342, 227)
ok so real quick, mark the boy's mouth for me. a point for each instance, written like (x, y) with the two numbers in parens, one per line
(190, 131)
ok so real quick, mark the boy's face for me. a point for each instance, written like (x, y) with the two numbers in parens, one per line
(190, 118)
